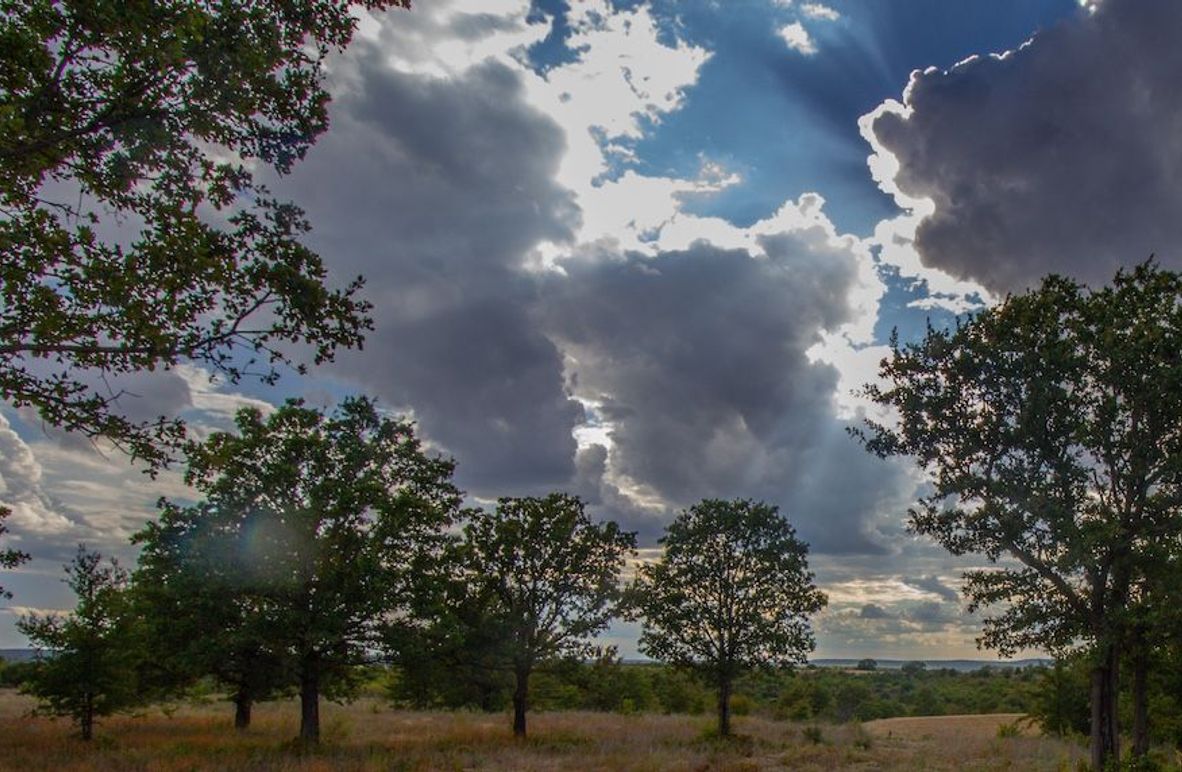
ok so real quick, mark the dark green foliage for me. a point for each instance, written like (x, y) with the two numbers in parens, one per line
(732, 591)
(87, 660)
(15, 674)
(311, 529)
(1061, 699)
(867, 664)
(530, 583)
(9, 558)
(133, 235)
(607, 684)
(1051, 428)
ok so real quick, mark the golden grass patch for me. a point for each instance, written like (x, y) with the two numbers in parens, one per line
(368, 735)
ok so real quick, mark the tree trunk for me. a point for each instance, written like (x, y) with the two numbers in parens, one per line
(520, 701)
(310, 700)
(1105, 735)
(87, 718)
(724, 706)
(1140, 696)
(242, 706)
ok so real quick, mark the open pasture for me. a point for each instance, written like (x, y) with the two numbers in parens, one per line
(368, 735)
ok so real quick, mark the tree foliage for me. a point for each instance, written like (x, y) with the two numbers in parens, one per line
(1051, 429)
(87, 667)
(545, 580)
(132, 233)
(9, 558)
(313, 523)
(732, 591)
(202, 614)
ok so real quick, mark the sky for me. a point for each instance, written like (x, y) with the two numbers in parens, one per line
(646, 252)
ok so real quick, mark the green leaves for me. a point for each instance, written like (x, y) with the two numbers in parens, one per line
(9, 558)
(87, 664)
(551, 574)
(1051, 429)
(732, 591)
(132, 233)
(305, 544)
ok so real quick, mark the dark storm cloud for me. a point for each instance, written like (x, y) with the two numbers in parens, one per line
(872, 611)
(698, 360)
(933, 585)
(931, 613)
(1063, 156)
(437, 189)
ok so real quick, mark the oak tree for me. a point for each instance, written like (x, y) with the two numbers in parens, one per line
(1050, 427)
(133, 235)
(319, 518)
(547, 577)
(203, 613)
(732, 591)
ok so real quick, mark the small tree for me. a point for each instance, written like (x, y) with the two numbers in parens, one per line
(86, 667)
(313, 522)
(9, 558)
(1051, 429)
(866, 664)
(550, 577)
(731, 592)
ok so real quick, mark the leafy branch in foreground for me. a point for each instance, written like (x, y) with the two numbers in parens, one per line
(133, 236)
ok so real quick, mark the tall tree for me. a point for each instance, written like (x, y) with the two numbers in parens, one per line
(202, 611)
(86, 667)
(320, 518)
(9, 558)
(732, 591)
(1050, 427)
(133, 235)
(547, 577)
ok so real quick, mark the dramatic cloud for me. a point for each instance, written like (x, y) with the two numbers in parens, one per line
(1061, 156)
(933, 585)
(442, 213)
(698, 362)
(871, 611)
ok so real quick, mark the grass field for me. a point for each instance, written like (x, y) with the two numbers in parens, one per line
(367, 735)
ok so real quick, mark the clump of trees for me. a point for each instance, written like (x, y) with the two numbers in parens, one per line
(304, 545)
(1050, 427)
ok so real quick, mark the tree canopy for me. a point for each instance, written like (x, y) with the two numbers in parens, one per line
(311, 525)
(732, 591)
(87, 664)
(1050, 427)
(132, 232)
(9, 557)
(544, 578)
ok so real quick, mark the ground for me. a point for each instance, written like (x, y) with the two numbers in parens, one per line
(367, 735)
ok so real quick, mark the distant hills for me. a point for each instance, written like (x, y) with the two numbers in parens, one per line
(963, 665)
(17, 655)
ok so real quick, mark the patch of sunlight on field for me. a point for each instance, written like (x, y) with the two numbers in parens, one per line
(368, 735)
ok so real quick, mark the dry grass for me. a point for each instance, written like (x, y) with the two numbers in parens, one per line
(368, 736)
